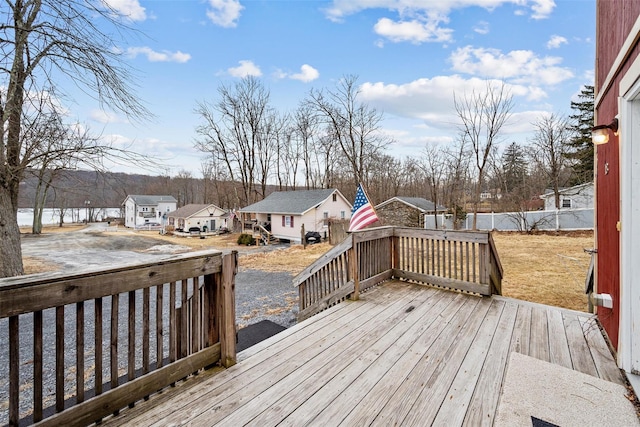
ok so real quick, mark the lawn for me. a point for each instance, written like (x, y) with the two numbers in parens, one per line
(546, 268)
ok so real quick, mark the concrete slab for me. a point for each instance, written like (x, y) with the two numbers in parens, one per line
(560, 396)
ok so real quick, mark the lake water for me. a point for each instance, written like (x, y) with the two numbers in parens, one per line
(52, 216)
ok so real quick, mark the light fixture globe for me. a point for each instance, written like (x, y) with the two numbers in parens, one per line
(600, 133)
(600, 136)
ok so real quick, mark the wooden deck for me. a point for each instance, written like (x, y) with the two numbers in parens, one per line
(403, 354)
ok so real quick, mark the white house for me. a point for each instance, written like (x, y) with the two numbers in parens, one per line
(284, 212)
(145, 210)
(577, 197)
(206, 217)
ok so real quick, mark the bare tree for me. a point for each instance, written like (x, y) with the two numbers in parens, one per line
(305, 138)
(354, 125)
(482, 116)
(434, 166)
(457, 163)
(38, 38)
(240, 129)
(551, 147)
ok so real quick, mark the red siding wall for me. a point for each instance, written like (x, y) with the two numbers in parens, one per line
(615, 19)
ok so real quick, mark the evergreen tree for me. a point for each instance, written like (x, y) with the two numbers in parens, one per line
(514, 167)
(580, 145)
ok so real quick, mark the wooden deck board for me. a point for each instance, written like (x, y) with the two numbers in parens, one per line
(484, 401)
(558, 345)
(403, 354)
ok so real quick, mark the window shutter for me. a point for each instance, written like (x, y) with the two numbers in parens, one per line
(283, 220)
(291, 221)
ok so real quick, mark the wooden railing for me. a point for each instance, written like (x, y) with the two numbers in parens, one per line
(84, 345)
(461, 260)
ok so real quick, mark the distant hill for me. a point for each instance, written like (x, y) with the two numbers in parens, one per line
(70, 189)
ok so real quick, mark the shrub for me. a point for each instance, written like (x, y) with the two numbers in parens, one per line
(246, 239)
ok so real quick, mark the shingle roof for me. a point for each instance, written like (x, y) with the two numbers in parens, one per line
(290, 202)
(423, 204)
(152, 200)
(190, 210)
(562, 190)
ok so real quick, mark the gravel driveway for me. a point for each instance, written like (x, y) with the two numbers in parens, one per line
(260, 295)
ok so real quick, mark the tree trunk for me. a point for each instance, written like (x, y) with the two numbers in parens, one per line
(10, 249)
(38, 207)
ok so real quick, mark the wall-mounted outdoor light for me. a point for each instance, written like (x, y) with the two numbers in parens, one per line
(600, 133)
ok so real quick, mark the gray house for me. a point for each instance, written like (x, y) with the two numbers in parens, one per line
(407, 211)
(577, 197)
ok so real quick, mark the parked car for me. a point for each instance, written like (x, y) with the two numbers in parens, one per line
(194, 230)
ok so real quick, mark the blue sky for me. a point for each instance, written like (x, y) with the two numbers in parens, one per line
(410, 57)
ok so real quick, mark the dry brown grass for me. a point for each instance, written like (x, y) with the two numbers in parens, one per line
(548, 269)
(48, 229)
(292, 259)
(223, 242)
(33, 265)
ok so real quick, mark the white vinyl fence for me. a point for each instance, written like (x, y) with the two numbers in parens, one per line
(563, 219)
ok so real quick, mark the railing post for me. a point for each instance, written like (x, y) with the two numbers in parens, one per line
(354, 266)
(226, 312)
(485, 257)
(394, 248)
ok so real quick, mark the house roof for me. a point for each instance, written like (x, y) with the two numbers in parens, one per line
(571, 190)
(291, 202)
(151, 200)
(188, 211)
(419, 203)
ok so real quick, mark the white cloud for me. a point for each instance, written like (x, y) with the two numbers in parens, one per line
(224, 13)
(104, 117)
(542, 8)
(556, 41)
(519, 66)
(419, 21)
(307, 74)
(412, 31)
(129, 8)
(154, 56)
(246, 68)
(432, 100)
(482, 27)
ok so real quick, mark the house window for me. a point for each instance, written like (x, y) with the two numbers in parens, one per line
(325, 218)
(287, 221)
(335, 197)
(566, 203)
(269, 218)
(342, 215)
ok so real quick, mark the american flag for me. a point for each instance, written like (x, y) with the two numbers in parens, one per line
(362, 213)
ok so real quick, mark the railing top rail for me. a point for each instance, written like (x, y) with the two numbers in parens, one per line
(25, 294)
(453, 235)
(373, 234)
(325, 259)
